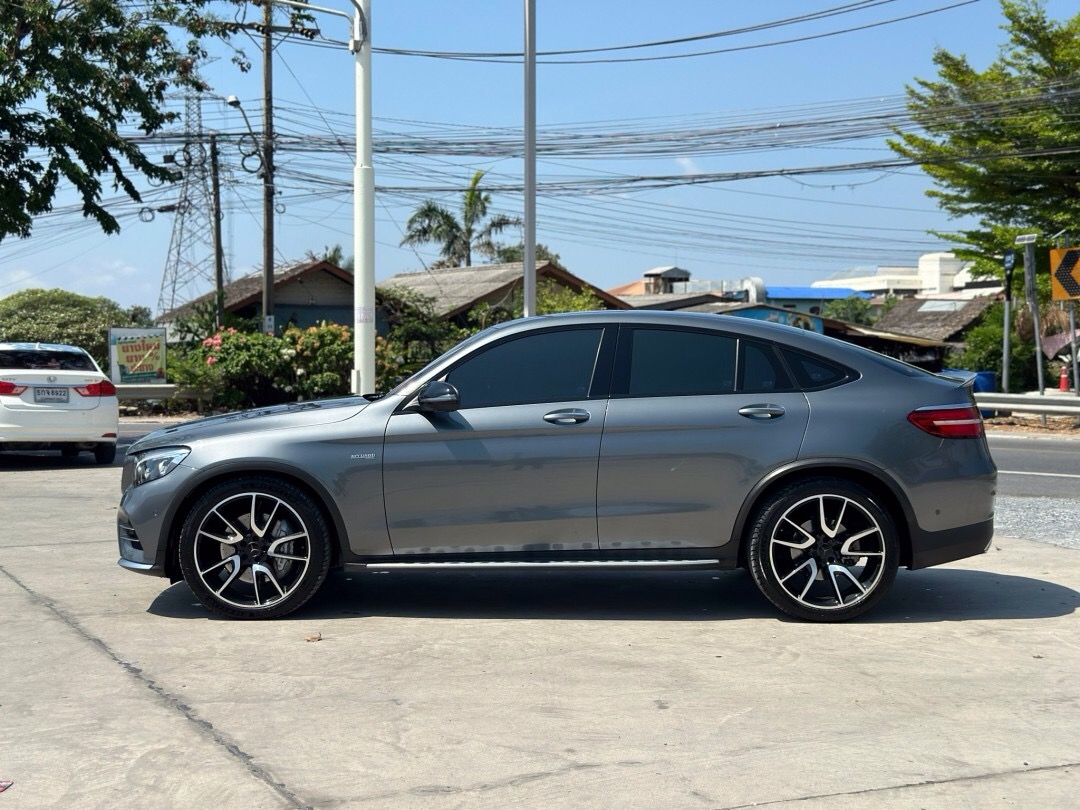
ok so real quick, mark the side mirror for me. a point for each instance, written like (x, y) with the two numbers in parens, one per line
(438, 396)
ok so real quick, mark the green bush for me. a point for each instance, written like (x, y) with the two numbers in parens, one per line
(319, 360)
(237, 369)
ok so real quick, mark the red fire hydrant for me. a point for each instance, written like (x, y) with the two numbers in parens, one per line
(1063, 380)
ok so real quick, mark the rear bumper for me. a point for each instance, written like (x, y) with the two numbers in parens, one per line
(935, 548)
(43, 426)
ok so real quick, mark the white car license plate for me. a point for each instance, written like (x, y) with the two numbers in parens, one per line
(50, 394)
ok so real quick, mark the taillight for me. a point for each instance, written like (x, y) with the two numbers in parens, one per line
(11, 388)
(957, 422)
(98, 389)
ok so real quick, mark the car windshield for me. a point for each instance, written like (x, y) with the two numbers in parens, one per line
(27, 359)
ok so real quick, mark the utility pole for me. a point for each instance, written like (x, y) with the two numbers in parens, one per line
(268, 169)
(219, 255)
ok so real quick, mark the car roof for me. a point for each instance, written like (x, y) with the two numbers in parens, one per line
(40, 347)
(750, 327)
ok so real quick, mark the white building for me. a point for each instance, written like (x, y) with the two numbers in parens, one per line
(938, 275)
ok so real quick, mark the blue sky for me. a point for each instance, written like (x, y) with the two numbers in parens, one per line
(788, 230)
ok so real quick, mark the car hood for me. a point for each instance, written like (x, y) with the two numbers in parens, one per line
(274, 417)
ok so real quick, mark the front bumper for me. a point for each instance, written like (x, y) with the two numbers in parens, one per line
(144, 518)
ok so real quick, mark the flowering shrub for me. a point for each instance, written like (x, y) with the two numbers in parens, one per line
(318, 360)
(237, 369)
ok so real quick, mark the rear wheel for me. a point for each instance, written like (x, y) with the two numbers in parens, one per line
(823, 550)
(104, 453)
(255, 548)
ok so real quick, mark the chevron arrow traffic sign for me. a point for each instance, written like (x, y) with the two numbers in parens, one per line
(1065, 274)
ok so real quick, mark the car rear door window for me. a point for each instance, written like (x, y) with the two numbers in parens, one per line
(761, 370)
(556, 366)
(813, 372)
(679, 362)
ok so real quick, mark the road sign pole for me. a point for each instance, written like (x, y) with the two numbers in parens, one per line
(1008, 263)
(1072, 335)
(1033, 300)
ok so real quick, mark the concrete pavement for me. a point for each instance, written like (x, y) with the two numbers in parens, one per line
(436, 689)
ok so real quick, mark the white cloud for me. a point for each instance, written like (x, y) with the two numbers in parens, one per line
(687, 165)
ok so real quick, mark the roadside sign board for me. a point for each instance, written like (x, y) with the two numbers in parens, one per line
(137, 355)
(1065, 274)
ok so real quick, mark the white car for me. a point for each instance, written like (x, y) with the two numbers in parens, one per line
(55, 397)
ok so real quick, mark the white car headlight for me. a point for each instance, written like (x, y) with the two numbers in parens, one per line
(158, 463)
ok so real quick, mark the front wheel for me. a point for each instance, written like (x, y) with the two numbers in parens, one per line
(823, 550)
(255, 548)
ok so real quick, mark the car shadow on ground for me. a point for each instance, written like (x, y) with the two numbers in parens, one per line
(934, 595)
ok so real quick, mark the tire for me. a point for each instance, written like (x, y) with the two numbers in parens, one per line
(823, 550)
(104, 453)
(255, 548)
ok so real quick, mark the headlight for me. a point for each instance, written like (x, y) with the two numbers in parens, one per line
(158, 463)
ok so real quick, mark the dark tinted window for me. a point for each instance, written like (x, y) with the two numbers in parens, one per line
(43, 359)
(545, 367)
(761, 369)
(813, 372)
(670, 363)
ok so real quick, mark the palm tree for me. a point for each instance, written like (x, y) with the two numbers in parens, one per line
(458, 239)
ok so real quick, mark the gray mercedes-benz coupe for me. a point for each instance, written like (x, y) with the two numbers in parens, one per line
(614, 437)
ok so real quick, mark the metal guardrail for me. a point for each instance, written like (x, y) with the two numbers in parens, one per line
(156, 391)
(1055, 404)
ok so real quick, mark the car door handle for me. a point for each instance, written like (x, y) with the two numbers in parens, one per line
(570, 416)
(762, 411)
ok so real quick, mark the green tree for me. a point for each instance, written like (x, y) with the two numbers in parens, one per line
(70, 74)
(334, 255)
(853, 309)
(1000, 144)
(983, 351)
(550, 298)
(59, 316)
(458, 238)
(508, 254)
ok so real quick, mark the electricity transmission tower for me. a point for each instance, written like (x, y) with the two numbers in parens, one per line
(190, 269)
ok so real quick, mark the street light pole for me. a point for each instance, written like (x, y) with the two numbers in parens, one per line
(529, 237)
(363, 375)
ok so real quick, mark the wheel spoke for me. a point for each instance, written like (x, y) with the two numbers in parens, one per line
(805, 544)
(260, 533)
(812, 565)
(235, 559)
(236, 532)
(831, 533)
(228, 541)
(262, 569)
(834, 570)
(855, 538)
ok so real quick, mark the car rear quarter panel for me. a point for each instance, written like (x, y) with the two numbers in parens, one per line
(948, 483)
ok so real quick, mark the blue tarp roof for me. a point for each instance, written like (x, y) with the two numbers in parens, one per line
(814, 293)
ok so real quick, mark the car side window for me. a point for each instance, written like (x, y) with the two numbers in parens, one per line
(761, 370)
(813, 372)
(552, 366)
(673, 363)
